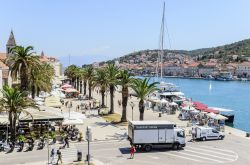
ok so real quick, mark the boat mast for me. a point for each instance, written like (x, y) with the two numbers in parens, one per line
(162, 39)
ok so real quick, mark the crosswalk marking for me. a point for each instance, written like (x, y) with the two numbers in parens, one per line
(204, 154)
(202, 157)
(181, 157)
(212, 151)
(209, 155)
(214, 148)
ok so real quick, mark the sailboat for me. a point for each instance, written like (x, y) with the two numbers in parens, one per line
(167, 91)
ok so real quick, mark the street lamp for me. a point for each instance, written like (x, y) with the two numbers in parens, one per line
(132, 104)
(88, 138)
(48, 138)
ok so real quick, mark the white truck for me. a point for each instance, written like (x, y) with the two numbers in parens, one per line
(208, 133)
(155, 134)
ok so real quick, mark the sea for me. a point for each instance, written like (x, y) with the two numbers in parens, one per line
(234, 95)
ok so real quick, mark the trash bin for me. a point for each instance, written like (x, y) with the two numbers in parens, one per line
(247, 134)
(79, 156)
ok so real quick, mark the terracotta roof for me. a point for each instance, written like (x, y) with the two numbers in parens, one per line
(3, 66)
(244, 64)
(2, 56)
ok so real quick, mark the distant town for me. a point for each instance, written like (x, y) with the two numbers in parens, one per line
(229, 62)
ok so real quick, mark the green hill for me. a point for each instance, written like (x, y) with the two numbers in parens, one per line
(225, 52)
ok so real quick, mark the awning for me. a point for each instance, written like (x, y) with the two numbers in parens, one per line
(71, 90)
(221, 109)
(53, 101)
(209, 110)
(39, 116)
(72, 122)
(216, 116)
(66, 86)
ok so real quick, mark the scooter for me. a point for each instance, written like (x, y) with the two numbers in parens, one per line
(41, 144)
(31, 145)
(21, 145)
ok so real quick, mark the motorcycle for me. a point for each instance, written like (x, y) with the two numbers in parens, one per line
(31, 145)
(41, 144)
(21, 145)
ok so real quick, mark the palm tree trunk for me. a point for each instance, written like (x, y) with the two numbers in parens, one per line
(85, 85)
(141, 109)
(90, 91)
(33, 92)
(81, 86)
(37, 92)
(11, 123)
(111, 88)
(24, 79)
(124, 104)
(103, 95)
(77, 83)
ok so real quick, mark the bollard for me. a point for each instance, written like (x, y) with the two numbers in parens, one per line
(79, 156)
(160, 114)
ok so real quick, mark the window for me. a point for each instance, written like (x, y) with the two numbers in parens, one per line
(214, 131)
(180, 134)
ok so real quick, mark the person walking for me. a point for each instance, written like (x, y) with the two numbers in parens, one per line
(52, 156)
(66, 141)
(132, 151)
(193, 134)
(59, 155)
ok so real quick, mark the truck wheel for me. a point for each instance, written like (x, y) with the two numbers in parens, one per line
(148, 148)
(204, 139)
(176, 146)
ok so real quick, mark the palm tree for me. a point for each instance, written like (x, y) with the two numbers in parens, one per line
(143, 88)
(89, 76)
(100, 80)
(71, 72)
(41, 78)
(14, 102)
(20, 63)
(112, 73)
(125, 80)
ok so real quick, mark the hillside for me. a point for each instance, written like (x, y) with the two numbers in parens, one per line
(225, 52)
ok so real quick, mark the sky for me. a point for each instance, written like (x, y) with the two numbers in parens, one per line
(96, 30)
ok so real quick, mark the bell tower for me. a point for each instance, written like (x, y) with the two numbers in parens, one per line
(10, 44)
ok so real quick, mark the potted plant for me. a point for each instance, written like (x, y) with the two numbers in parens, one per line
(53, 136)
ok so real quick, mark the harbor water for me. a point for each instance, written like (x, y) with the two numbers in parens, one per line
(233, 95)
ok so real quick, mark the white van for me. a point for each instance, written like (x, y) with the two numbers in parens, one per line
(207, 133)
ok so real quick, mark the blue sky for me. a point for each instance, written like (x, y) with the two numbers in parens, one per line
(95, 30)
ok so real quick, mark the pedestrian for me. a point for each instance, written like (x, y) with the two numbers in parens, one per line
(66, 141)
(52, 156)
(59, 155)
(193, 134)
(132, 151)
